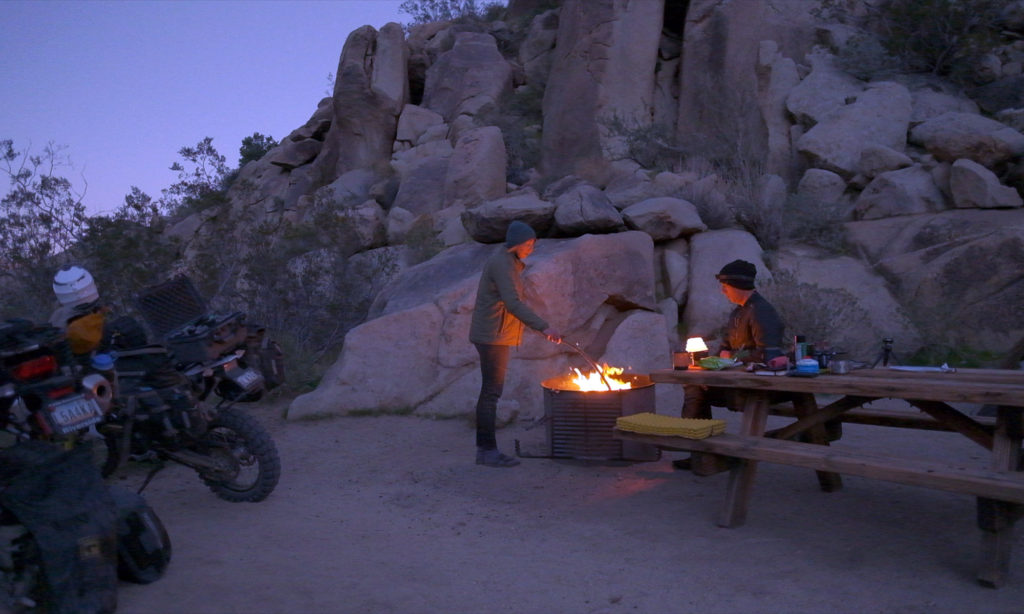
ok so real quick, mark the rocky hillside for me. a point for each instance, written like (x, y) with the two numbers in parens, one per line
(648, 143)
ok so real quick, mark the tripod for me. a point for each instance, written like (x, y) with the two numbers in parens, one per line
(885, 355)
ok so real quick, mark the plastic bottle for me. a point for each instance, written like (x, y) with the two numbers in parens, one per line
(799, 347)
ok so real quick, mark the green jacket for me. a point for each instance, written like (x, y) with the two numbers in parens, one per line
(499, 313)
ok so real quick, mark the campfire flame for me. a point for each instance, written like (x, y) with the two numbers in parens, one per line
(592, 380)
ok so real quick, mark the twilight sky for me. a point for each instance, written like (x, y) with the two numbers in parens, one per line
(125, 84)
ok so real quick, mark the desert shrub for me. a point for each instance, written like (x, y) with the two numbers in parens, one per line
(730, 195)
(422, 240)
(727, 192)
(865, 57)
(743, 190)
(309, 285)
(820, 314)
(942, 37)
(939, 353)
(939, 327)
(519, 116)
(307, 302)
(811, 222)
(728, 136)
(651, 145)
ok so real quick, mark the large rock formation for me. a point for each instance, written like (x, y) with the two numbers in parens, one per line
(719, 110)
(413, 152)
(370, 89)
(414, 351)
(467, 78)
(959, 272)
(880, 115)
(603, 68)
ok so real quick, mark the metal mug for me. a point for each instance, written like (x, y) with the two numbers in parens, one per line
(840, 367)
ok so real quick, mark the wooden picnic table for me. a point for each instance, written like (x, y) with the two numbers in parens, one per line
(999, 488)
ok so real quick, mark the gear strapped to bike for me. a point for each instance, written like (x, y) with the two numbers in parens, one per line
(175, 399)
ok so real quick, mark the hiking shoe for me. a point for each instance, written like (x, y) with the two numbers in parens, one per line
(494, 458)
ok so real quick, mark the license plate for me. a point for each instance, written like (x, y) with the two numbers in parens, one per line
(75, 413)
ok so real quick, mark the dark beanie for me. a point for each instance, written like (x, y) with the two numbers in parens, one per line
(517, 233)
(738, 274)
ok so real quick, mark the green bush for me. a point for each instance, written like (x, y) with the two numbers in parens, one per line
(939, 353)
(255, 147)
(942, 37)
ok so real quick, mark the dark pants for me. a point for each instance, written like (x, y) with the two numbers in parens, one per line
(493, 364)
(697, 400)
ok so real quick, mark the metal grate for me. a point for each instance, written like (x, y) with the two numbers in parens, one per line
(170, 305)
(580, 423)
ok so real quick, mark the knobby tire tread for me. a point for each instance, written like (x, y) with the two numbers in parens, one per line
(259, 443)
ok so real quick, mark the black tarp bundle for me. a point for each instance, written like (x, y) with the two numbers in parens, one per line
(60, 497)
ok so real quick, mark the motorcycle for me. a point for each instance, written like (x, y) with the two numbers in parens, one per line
(176, 400)
(65, 537)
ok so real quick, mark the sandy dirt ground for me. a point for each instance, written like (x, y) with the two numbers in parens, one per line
(389, 514)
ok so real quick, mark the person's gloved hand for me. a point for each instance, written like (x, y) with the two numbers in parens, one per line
(778, 363)
(553, 336)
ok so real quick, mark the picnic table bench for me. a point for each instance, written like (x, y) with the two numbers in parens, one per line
(999, 488)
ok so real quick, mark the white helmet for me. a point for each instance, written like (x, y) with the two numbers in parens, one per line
(74, 286)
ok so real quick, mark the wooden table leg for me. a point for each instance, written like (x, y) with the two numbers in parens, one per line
(741, 477)
(805, 405)
(996, 518)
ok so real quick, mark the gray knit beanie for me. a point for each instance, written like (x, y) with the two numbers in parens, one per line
(517, 233)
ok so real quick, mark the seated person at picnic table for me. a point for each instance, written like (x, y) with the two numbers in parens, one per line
(753, 333)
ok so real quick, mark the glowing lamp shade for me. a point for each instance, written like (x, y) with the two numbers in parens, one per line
(694, 345)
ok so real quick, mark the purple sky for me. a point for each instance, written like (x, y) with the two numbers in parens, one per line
(125, 85)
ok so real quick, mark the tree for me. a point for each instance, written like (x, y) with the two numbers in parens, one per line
(944, 37)
(428, 11)
(42, 213)
(255, 147)
(128, 250)
(201, 180)
(41, 216)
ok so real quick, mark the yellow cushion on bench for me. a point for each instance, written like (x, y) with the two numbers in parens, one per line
(654, 424)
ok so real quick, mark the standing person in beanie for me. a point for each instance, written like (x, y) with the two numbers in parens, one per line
(498, 320)
(753, 333)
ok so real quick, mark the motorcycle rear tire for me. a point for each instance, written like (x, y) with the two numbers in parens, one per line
(249, 444)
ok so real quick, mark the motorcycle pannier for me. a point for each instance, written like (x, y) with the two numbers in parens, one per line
(208, 337)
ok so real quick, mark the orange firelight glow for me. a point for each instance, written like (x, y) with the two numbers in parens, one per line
(592, 381)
